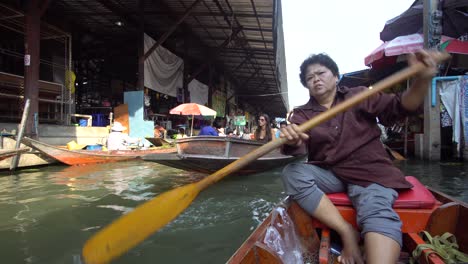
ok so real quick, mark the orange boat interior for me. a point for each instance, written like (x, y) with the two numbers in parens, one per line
(419, 209)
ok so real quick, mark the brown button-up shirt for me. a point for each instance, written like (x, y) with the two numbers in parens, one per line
(349, 144)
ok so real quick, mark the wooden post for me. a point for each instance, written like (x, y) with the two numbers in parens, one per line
(15, 159)
(31, 61)
(431, 141)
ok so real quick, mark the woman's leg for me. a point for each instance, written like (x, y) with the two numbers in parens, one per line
(381, 225)
(306, 184)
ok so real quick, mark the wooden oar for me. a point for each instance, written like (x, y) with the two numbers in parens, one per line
(134, 227)
(395, 155)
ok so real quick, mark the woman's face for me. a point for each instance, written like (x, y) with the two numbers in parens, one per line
(320, 81)
(262, 121)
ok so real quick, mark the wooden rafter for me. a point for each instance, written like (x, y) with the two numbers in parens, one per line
(172, 29)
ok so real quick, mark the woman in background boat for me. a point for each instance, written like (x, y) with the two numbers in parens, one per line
(181, 133)
(345, 155)
(118, 140)
(263, 131)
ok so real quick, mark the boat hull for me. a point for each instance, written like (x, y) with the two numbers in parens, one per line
(31, 158)
(210, 154)
(82, 157)
(7, 153)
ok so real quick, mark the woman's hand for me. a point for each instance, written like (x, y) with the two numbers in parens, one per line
(427, 58)
(293, 135)
(413, 97)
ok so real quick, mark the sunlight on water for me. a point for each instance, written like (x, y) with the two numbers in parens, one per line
(260, 210)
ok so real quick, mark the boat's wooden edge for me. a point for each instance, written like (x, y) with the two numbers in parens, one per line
(220, 139)
(244, 253)
(450, 217)
(14, 151)
(253, 250)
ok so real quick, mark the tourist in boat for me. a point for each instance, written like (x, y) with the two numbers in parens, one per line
(283, 124)
(209, 129)
(246, 134)
(345, 155)
(159, 131)
(181, 133)
(118, 140)
(263, 131)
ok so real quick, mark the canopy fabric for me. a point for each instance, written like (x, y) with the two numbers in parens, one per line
(192, 109)
(163, 69)
(412, 43)
(198, 92)
(454, 20)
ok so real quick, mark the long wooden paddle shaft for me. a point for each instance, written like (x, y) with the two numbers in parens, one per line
(134, 227)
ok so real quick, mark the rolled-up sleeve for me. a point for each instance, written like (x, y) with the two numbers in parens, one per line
(387, 107)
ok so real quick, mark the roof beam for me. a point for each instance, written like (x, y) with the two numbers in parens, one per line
(164, 13)
(216, 53)
(172, 29)
(250, 77)
(228, 28)
(118, 10)
(43, 7)
(249, 40)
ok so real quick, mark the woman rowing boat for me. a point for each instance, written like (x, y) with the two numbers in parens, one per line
(345, 154)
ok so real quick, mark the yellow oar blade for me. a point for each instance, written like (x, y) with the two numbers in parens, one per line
(134, 227)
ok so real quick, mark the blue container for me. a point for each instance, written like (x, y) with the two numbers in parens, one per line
(94, 147)
(99, 120)
(83, 122)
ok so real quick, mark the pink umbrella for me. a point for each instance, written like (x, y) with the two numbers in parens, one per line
(192, 109)
(412, 43)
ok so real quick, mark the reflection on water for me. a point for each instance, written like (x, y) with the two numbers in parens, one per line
(48, 213)
(450, 178)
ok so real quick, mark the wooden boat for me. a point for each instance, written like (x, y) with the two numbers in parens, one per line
(31, 158)
(158, 142)
(290, 235)
(208, 154)
(6, 153)
(81, 157)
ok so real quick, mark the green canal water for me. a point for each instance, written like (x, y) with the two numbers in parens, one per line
(47, 214)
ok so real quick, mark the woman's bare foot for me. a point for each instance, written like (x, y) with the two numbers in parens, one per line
(351, 253)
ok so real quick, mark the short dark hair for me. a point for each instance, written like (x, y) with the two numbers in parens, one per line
(322, 59)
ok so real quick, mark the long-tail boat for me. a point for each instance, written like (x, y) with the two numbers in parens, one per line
(208, 154)
(6, 153)
(81, 157)
(290, 235)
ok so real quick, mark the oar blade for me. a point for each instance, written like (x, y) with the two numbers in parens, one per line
(134, 227)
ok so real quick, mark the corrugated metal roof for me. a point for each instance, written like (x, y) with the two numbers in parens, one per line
(237, 35)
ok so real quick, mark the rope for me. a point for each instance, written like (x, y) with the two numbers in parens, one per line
(445, 246)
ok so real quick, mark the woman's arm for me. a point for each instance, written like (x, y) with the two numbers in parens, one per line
(414, 96)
